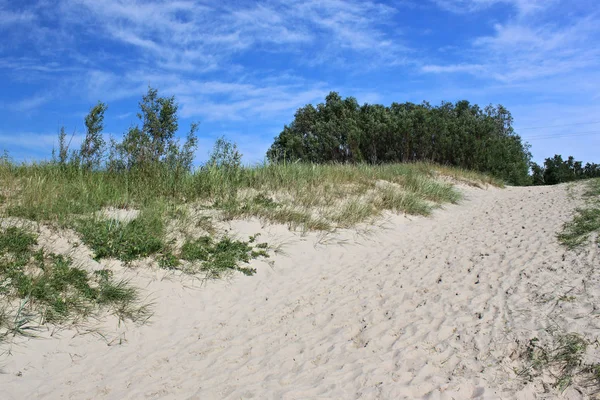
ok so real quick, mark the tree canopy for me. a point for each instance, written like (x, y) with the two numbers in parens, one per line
(556, 170)
(458, 134)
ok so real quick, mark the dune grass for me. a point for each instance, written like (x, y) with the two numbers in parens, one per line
(37, 287)
(306, 195)
(562, 358)
(586, 221)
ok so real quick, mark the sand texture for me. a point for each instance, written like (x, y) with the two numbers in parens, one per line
(437, 308)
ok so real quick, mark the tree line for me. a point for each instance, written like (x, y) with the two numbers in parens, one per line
(339, 130)
(556, 170)
(458, 134)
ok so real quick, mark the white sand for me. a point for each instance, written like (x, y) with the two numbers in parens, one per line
(435, 308)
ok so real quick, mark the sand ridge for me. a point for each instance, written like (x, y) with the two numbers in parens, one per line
(435, 308)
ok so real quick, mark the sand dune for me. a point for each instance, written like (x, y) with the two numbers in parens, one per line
(435, 308)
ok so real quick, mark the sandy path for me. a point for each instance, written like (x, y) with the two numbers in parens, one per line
(425, 308)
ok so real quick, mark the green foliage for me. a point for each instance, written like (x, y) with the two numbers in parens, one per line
(562, 358)
(556, 170)
(577, 231)
(218, 257)
(460, 134)
(125, 241)
(49, 286)
(16, 241)
(225, 155)
(92, 148)
(63, 149)
(168, 261)
(48, 192)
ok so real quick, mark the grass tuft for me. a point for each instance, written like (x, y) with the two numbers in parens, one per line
(586, 220)
(562, 359)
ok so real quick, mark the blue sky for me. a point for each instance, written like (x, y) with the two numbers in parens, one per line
(242, 68)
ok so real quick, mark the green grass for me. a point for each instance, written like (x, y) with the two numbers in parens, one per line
(586, 220)
(126, 241)
(301, 195)
(49, 289)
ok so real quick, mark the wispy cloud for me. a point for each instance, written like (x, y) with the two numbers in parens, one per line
(522, 50)
(523, 7)
(186, 35)
(36, 141)
(9, 17)
(188, 39)
(30, 103)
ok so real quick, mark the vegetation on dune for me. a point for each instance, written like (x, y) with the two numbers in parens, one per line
(150, 171)
(218, 257)
(562, 359)
(37, 287)
(461, 135)
(125, 241)
(586, 221)
(556, 170)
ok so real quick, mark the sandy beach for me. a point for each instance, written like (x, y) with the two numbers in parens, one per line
(434, 307)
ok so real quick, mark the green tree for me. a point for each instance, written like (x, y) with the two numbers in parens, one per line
(92, 148)
(460, 134)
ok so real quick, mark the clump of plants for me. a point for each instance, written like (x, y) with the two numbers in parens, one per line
(215, 257)
(562, 359)
(586, 220)
(126, 241)
(45, 287)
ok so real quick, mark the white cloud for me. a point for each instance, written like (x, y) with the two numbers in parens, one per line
(187, 35)
(30, 103)
(467, 68)
(8, 18)
(172, 44)
(523, 7)
(522, 50)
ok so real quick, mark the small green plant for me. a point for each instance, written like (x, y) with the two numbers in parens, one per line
(217, 257)
(168, 261)
(16, 241)
(566, 298)
(226, 155)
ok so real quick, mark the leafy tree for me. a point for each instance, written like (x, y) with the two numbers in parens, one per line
(460, 134)
(92, 148)
(225, 154)
(154, 142)
(537, 174)
(144, 149)
(556, 170)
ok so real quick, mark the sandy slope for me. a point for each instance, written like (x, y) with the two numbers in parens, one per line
(422, 308)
